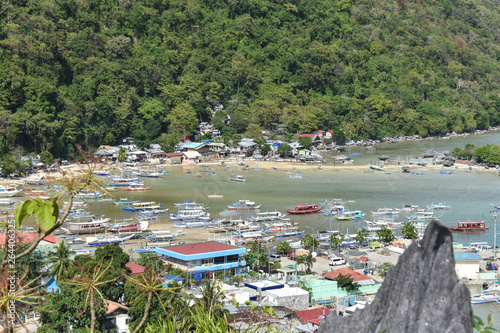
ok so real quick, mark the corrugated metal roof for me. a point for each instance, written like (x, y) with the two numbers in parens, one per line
(192, 145)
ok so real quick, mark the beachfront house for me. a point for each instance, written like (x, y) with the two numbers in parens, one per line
(190, 157)
(203, 259)
(106, 153)
(174, 158)
(244, 148)
(218, 149)
(155, 151)
(200, 147)
(467, 265)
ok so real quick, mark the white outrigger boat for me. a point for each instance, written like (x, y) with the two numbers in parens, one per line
(9, 191)
(100, 241)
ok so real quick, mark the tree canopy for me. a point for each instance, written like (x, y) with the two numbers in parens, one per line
(91, 73)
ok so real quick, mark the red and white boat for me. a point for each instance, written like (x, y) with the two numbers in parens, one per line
(470, 226)
(305, 209)
(38, 194)
(137, 188)
(215, 196)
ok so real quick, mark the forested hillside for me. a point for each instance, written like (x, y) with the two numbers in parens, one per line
(93, 71)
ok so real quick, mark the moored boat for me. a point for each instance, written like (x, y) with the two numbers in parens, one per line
(9, 191)
(438, 206)
(377, 167)
(137, 188)
(305, 209)
(215, 196)
(90, 195)
(87, 227)
(350, 215)
(238, 178)
(244, 205)
(485, 298)
(470, 226)
(101, 241)
(139, 207)
(385, 212)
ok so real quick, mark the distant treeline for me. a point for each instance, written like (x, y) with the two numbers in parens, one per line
(91, 72)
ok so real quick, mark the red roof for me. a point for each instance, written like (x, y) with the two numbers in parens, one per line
(173, 154)
(355, 276)
(28, 238)
(136, 268)
(198, 248)
(362, 258)
(113, 306)
(309, 135)
(307, 316)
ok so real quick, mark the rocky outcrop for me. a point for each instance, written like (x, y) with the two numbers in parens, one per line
(420, 294)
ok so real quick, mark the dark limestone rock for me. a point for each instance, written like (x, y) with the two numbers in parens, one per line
(420, 294)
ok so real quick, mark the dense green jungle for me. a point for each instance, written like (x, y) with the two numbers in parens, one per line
(90, 72)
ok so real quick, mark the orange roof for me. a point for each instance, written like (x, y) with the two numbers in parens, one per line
(355, 276)
(113, 306)
(309, 135)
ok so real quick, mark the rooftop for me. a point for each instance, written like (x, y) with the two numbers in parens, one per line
(463, 256)
(355, 276)
(113, 306)
(136, 268)
(311, 314)
(207, 247)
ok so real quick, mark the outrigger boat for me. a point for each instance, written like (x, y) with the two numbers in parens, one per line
(128, 227)
(305, 209)
(350, 215)
(377, 167)
(439, 206)
(97, 241)
(90, 195)
(88, 227)
(125, 201)
(140, 207)
(244, 205)
(238, 178)
(9, 191)
(137, 188)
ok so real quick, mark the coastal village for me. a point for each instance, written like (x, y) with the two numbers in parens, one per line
(303, 277)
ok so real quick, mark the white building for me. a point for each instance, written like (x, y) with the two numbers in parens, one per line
(117, 317)
(467, 264)
(294, 298)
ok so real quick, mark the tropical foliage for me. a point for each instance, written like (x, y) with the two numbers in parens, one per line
(94, 72)
(409, 230)
(489, 154)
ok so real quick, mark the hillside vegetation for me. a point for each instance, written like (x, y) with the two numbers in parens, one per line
(93, 71)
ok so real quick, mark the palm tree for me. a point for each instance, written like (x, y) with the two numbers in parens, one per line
(122, 155)
(62, 266)
(150, 284)
(26, 296)
(90, 279)
(308, 261)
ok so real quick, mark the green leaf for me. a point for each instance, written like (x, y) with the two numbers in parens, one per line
(25, 209)
(47, 215)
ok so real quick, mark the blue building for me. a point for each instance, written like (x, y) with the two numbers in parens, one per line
(202, 259)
